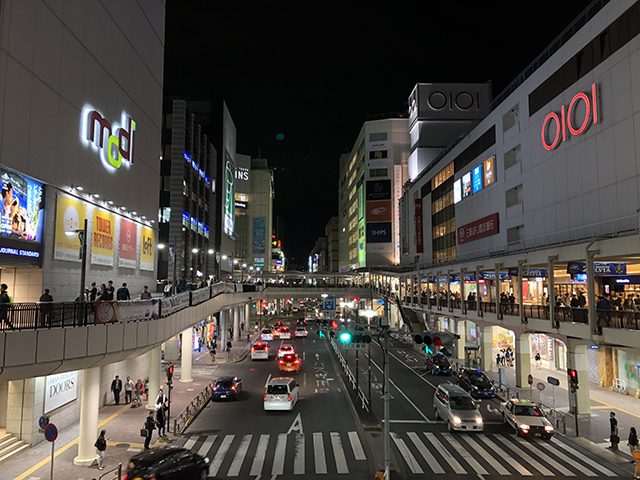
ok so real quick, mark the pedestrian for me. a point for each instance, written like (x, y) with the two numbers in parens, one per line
(103, 293)
(160, 421)
(582, 300)
(46, 307)
(93, 292)
(110, 290)
(5, 300)
(116, 388)
(167, 289)
(123, 293)
(615, 439)
(146, 294)
(101, 446)
(633, 441)
(498, 359)
(161, 399)
(228, 346)
(150, 426)
(242, 326)
(139, 389)
(128, 390)
(538, 361)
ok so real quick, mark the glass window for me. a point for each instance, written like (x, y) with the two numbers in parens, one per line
(378, 137)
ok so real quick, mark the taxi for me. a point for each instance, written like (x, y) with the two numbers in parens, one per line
(260, 351)
(276, 331)
(289, 362)
(476, 383)
(285, 334)
(284, 349)
(438, 364)
(526, 418)
(301, 332)
(266, 335)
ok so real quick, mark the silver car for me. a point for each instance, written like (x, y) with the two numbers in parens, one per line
(458, 410)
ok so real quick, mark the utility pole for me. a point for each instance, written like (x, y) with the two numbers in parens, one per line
(387, 436)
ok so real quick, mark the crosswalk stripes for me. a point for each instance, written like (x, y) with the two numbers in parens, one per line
(534, 463)
(412, 463)
(570, 461)
(497, 466)
(426, 454)
(234, 471)
(445, 453)
(338, 452)
(464, 453)
(217, 460)
(591, 462)
(207, 445)
(550, 461)
(358, 451)
(505, 456)
(318, 450)
(261, 453)
(298, 459)
(278, 459)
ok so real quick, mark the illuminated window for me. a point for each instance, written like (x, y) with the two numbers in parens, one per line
(353, 223)
(353, 238)
(377, 154)
(441, 176)
(353, 207)
(441, 203)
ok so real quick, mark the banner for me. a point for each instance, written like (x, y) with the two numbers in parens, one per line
(106, 312)
(128, 244)
(529, 272)
(418, 223)
(23, 207)
(200, 295)
(600, 268)
(378, 232)
(480, 228)
(379, 190)
(126, 311)
(70, 215)
(59, 390)
(102, 237)
(147, 248)
(259, 235)
(174, 303)
(492, 276)
(379, 211)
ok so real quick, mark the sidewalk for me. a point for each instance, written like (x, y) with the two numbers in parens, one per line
(594, 430)
(122, 424)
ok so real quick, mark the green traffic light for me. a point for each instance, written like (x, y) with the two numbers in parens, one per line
(321, 334)
(345, 337)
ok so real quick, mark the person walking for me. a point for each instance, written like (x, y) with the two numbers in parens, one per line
(228, 346)
(128, 390)
(5, 300)
(150, 426)
(167, 289)
(538, 361)
(633, 441)
(116, 388)
(146, 389)
(46, 307)
(93, 292)
(615, 439)
(101, 446)
(146, 294)
(123, 293)
(160, 420)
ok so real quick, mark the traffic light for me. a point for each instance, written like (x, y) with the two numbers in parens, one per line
(573, 378)
(334, 324)
(438, 339)
(321, 333)
(169, 373)
(345, 337)
(354, 337)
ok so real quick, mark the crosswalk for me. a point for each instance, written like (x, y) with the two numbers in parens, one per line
(334, 453)
(494, 455)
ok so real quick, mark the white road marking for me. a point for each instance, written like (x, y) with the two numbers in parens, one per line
(258, 460)
(586, 460)
(238, 460)
(304, 379)
(497, 466)
(278, 457)
(268, 380)
(411, 461)
(204, 449)
(445, 453)
(567, 460)
(338, 453)
(219, 458)
(464, 453)
(527, 458)
(318, 450)
(358, 451)
(296, 426)
(191, 442)
(504, 455)
(304, 355)
(426, 454)
(298, 459)
(416, 373)
(406, 421)
(547, 459)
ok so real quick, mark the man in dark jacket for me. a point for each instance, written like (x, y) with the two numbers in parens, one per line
(116, 388)
(46, 307)
(123, 293)
(5, 300)
(110, 291)
(150, 425)
(93, 292)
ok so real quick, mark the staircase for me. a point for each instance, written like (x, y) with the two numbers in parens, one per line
(10, 446)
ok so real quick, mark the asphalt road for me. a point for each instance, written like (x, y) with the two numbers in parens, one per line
(320, 437)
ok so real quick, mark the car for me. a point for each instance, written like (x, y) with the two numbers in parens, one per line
(276, 331)
(301, 321)
(526, 418)
(279, 324)
(260, 351)
(226, 387)
(456, 407)
(284, 349)
(281, 393)
(476, 383)
(438, 364)
(266, 335)
(285, 333)
(167, 463)
(289, 362)
(301, 332)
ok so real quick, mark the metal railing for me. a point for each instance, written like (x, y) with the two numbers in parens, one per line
(619, 386)
(345, 366)
(184, 418)
(115, 471)
(236, 357)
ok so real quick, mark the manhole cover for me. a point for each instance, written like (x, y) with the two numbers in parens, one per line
(35, 452)
(123, 445)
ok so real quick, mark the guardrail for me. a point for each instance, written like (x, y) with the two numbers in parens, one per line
(186, 416)
(236, 357)
(116, 472)
(363, 399)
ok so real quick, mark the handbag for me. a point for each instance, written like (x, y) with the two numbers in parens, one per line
(144, 432)
(615, 439)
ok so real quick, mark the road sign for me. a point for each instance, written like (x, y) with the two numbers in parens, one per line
(43, 422)
(540, 386)
(50, 432)
(329, 304)
(553, 381)
(530, 379)
(355, 346)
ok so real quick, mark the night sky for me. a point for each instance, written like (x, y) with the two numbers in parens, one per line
(313, 74)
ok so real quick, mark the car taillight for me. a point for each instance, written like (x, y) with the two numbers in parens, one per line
(233, 387)
(215, 388)
(124, 476)
(289, 398)
(279, 350)
(265, 398)
(281, 361)
(253, 348)
(297, 361)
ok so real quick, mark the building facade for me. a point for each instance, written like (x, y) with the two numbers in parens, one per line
(333, 244)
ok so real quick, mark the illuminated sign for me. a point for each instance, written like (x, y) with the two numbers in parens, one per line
(19, 252)
(466, 185)
(229, 196)
(480, 228)
(477, 178)
(115, 143)
(576, 118)
(457, 191)
(242, 173)
(147, 250)
(489, 174)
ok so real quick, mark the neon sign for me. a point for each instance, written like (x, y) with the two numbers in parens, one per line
(567, 121)
(115, 143)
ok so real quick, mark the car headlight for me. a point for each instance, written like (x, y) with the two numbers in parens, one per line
(457, 420)
(524, 426)
(206, 460)
(548, 428)
(478, 420)
(475, 388)
(437, 367)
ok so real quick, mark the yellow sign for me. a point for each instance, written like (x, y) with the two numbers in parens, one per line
(103, 233)
(70, 215)
(147, 248)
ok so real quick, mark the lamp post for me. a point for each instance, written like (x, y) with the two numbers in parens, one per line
(224, 257)
(244, 265)
(82, 238)
(233, 269)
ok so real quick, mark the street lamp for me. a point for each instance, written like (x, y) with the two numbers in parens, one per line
(244, 265)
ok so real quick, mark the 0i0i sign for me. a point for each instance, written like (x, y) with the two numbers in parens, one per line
(569, 119)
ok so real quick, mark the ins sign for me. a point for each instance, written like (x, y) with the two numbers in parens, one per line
(567, 119)
(115, 143)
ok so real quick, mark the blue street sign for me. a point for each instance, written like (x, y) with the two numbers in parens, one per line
(553, 381)
(329, 304)
(50, 432)
(43, 422)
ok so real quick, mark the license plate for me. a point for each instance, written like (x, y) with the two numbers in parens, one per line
(288, 364)
(223, 396)
(537, 435)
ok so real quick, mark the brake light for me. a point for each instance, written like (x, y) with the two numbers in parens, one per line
(215, 388)
(279, 350)
(253, 348)
(265, 398)
(281, 361)
(233, 387)
(289, 398)
(124, 476)
(297, 361)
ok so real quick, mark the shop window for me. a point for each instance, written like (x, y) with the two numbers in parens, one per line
(512, 157)
(510, 118)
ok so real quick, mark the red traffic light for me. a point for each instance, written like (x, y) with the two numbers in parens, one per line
(355, 300)
(334, 324)
(437, 341)
(171, 370)
(573, 374)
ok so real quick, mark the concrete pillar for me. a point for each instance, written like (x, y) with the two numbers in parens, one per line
(463, 298)
(486, 349)
(187, 355)
(154, 376)
(247, 318)
(520, 292)
(577, 359)
(461, 329)
(523, 359)
(172, 349)
(496, 282)
(236, 323)
(224, 321)
(552, 291)
(478, 298)
(449, 306)
(89, 409)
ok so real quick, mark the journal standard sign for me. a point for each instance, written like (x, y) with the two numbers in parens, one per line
(59, 390)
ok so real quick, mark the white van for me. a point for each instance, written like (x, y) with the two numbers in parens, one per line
(260, 351)
(456, 407)
(282, 393)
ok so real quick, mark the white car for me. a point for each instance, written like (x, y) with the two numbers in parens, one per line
(301, 332)
(526, 418)
(285, 334)
(282, 393)
(266, 335)
(284, 349)
(260, 351)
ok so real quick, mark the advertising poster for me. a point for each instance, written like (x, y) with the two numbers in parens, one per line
(457, 191)
(102, 237)
(466, 185)
(23, 208)
(379, 211)
(229, 196)
(477, 178)
(106, 312)
(378, 190)
(70, 215)
(259, 234)
(147, 248)
(59, 390)
(489, 171)
(480, 228)
(418, 224)
(128, 244)
(379, 232)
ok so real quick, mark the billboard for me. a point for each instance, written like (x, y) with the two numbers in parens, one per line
(103, 234)
(489, 171)
(147, 250)
(457, 191)
(488, 225)
(229, 196)
(259, 235)
(22, 199)
(466, 185)
(128, 244)
(378, 190)
(418, 224)
(379, 211)
(59, 390)
(379, 232)
(70, 215)
(477, 178)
